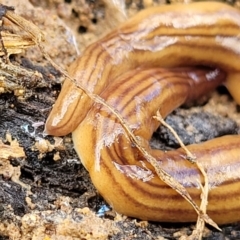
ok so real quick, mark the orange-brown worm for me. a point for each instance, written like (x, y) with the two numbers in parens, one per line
(124, 69)
(205, 33)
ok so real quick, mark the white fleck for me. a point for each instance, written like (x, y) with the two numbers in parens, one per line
(135, 172)
(105, 139)
(212, 75)
(157, 44)
(231, 43)
(69, 98)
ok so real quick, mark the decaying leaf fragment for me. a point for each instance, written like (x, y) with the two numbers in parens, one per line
(16, 35)
(11, 150)
(8, 152)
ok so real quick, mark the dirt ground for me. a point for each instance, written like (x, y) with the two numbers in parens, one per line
(45, 192)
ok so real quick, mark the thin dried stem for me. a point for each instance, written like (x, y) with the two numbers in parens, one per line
(190, 156)
(197, 233)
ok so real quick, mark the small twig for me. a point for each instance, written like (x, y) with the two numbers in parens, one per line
(190, 156)
(197, 233)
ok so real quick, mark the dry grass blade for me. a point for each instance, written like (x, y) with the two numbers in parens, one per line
(190, 156)
(197, 234)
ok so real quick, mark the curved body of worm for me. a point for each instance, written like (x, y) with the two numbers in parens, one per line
(119, 171)
(205, 33)
(123, 68)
